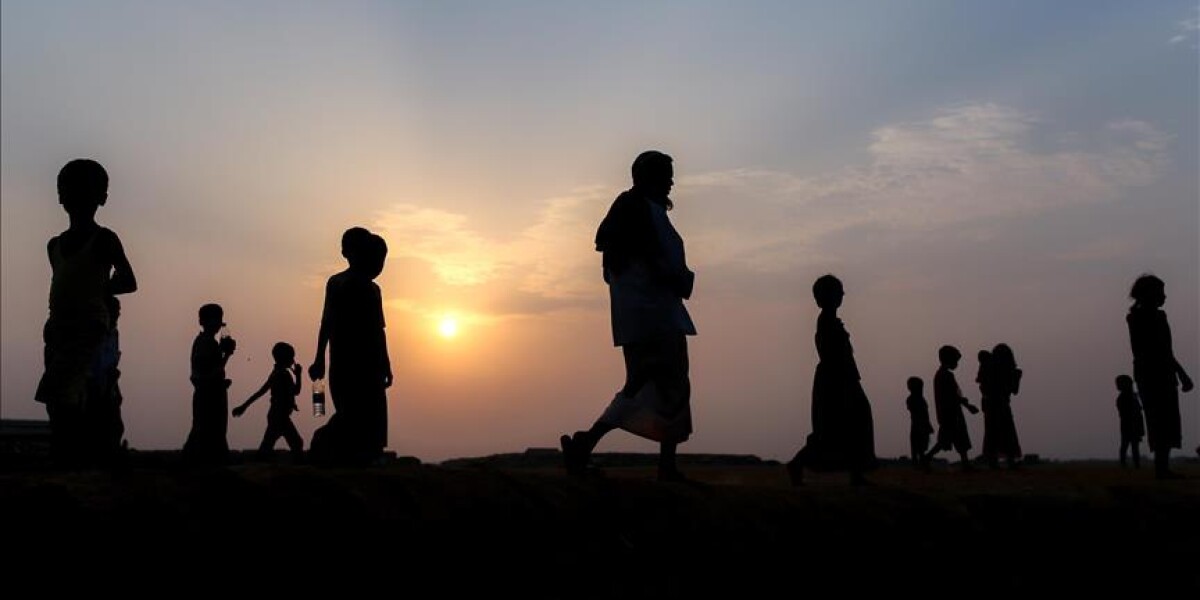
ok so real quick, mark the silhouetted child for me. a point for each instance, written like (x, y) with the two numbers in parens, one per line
(999, 381)
(207, 443)
(360, 371)
(1157, 373)
(948, 402)
(920, 429)
(103, 414)
(983, 378)
(284, 385)
(843, 435)
(1130, 412)
(88, 264)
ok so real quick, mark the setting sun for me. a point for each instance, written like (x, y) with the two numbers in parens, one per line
(448, 327)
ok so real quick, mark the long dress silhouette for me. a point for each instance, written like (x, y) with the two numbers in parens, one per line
(843, 435)
(1157, 373)
(998, 383)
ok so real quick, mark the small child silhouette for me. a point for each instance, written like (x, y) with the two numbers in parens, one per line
(284, 385)
(1129, 409)
(948, 403)
(920, 429)
(206, 443)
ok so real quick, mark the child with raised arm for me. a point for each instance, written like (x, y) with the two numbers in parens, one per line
(1158, 375)
(88, 264)
(1130, 412)
(284, 385)
(948, 402)
(206, 443)
(360, 371)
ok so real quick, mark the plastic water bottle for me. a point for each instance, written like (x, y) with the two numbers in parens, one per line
(318, 394)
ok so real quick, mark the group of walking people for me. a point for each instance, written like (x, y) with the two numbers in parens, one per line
(644, 265)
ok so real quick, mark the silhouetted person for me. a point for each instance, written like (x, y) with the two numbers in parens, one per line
(948, 402)
(360, 371)
(206, 442)
(843, 435)
(920, 429)
(648, 279)
(284, 385)
(1156, 371)
(999, 382)
(1129, 409)
(88, 264)
(103, 413)
(981, 378)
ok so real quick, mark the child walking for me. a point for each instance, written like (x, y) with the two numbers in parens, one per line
(284, 385)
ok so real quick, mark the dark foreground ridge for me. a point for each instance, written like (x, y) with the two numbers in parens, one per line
(740, 532)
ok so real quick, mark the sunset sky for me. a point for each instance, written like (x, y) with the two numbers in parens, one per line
(975, 172)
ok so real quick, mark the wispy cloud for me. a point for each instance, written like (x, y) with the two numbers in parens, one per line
(965, 164)
(973, 163)
(1187, 29)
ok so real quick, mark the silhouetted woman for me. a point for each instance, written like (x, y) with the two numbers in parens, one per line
(648, 280)
(999, 381)
(843, 435)
(1156, 371)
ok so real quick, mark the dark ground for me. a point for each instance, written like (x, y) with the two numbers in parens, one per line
(480, 531)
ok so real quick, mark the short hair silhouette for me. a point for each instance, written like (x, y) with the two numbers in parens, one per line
(283, 352)
(915, 385)
(650, 165)
(1145, 286)
(354, 240)
(948, 354)
(82, 177)
(211, 312)
(826, 288)
(1124, 382)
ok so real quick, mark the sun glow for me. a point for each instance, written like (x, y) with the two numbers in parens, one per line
(448, 327)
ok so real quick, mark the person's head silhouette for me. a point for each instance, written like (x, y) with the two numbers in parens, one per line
(1148, 291)
(1125, 383)
(284, 354)
(948, 356)
(354, 242)
(828, 291)
(82, 187)
(915, 386)
(1002, 354)
(212, 318)
(654, 175)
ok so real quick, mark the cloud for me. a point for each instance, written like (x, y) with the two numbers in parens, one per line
(458, 255)
(547, 266)
(972, 164)
(1188, 27)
